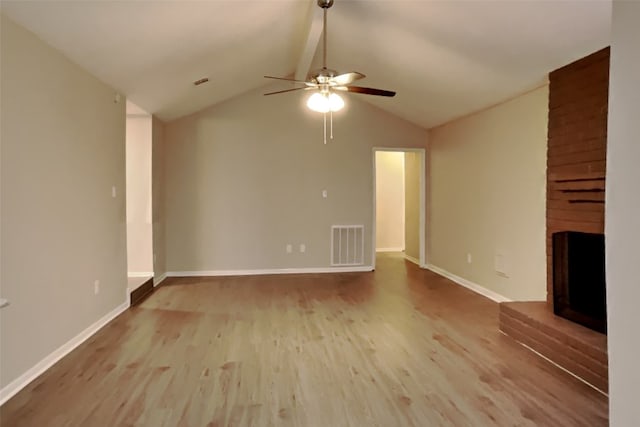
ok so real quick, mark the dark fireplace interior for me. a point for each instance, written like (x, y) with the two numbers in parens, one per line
(579, 290)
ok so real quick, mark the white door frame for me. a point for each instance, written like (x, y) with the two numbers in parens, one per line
(423, 174)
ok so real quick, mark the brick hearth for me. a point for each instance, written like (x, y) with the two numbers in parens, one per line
(577, 349)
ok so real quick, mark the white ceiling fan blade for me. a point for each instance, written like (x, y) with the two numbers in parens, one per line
(285, 79)
(286, 90)
(347, 78)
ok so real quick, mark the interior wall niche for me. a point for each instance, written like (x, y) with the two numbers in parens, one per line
(576, 155)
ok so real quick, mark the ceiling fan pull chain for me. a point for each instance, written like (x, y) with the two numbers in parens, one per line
(325, 128)
(331, 124)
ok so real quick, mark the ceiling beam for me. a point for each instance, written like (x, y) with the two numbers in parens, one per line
(313, 30)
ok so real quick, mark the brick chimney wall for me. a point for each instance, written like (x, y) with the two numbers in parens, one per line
(577, 146)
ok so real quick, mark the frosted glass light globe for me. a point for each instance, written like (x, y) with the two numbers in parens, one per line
(323, 103)
(318, 102)
(335, 102)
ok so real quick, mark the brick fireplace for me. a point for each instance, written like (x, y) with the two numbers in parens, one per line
(576, 174)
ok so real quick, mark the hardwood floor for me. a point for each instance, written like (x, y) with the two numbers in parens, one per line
(397, 347)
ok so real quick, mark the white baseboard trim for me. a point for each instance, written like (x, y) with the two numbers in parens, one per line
(23, 380)
(311, 270)
(413, 260)
(389, 249)
(140, 274)
(468, 284)
(160, 279)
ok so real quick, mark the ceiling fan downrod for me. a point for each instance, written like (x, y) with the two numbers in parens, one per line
(324, 4)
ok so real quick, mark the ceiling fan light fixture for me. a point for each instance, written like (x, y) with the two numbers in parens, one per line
(325, 102)
(326, 81)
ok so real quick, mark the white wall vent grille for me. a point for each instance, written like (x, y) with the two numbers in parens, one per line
(347, 245)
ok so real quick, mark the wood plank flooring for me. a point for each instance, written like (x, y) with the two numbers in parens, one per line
(397, 347)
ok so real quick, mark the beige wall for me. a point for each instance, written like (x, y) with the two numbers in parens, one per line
(622, 224)
(139, 227)
(389, 201)
(412, 169)
(487, 197)
(246, 177)
(158, 196)
(63, 148)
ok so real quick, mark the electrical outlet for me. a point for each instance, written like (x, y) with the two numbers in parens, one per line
(469, 260)
(289, 248)
(303, 248)
(114, 193)
(96, 287)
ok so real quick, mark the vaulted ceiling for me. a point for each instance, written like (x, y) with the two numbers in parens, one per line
(444, 58)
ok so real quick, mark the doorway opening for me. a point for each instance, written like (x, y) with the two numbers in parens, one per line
(139, 206)
(399, 203)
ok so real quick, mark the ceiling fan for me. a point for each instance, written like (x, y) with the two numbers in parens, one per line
(326, 82)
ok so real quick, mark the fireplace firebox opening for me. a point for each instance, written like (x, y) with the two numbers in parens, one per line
(579, 289)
